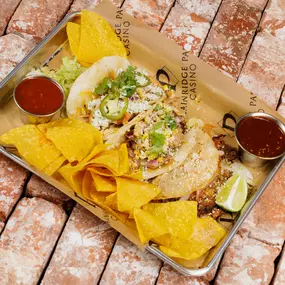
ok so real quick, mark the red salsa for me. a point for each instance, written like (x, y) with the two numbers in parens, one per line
(39, 96)
(261, 136)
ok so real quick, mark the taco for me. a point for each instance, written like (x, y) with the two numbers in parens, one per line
(158, 140)
(200, 168)
(111, 93)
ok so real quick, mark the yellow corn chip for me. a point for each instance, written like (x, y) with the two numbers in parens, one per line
(150, 227)
(103, 184)
(73, 177)
(54, 166)
(206, 234)
(97, 39)
(96, 150)
(101, 199)
(100, 171)
(134, 194)
(97, 196)
(137, 175)
(179, 216)
(73, 33)
(32, 145)
(124, 159)
(108, 159)
(73, 138)
(87, 184)
(111, 201)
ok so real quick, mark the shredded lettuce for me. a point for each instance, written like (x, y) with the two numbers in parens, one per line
(69, 70)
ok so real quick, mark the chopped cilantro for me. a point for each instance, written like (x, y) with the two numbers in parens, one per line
(157, 141)
(103, 87)
(158, 126)
(157, 108)
(169, 120)
(124, 84)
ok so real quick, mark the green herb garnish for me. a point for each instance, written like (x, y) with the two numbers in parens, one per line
(169, 120)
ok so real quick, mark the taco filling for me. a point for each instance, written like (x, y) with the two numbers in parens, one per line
(154, 140)
(118, 100)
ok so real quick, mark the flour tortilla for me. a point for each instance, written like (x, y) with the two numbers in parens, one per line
(191, 140)
(90, 79)
(199, 168)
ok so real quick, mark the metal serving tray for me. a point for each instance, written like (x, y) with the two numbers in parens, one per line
(51, 49)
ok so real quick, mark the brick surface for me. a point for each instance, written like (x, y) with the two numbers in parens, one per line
(273, 20)
(186, 28)
(150, 12)
(266, 220)
(171, 277)
(78, 5)
(28, 240)
(281, 110)
(12, 50)
(230, 36)
(7, 9)
(264, 71)
(247, 261)
(203, 8)
(35, 19)
(12, 180)
(279, 278)
(82, 250)
(36, 187)
(260, 4)
(1, 226)
(129, 265)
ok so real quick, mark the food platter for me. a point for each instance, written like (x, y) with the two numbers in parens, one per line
(203, 92)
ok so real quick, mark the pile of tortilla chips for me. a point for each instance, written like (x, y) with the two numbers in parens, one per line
(93, 39)
(175, 227)
(73, 151)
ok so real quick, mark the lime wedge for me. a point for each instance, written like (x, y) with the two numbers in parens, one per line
(232, 195)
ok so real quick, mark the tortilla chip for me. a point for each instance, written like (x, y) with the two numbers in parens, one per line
(111, 201)
(137, 175)
(206, 234)
(124, 159)
(179, 216)
(97, 39)
(108, 159)
(150, 227)
(32, 145)
(86, 161)
(73, 177)
(103, 184)
(87, 184)
(73, 33)
(54, 166)
(134, 194)
(73, 138)
(100, 171)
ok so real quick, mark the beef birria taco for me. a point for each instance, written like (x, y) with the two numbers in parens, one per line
(111, 93)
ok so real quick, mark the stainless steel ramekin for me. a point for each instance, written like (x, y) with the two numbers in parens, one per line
(29, 118)
(248, 158)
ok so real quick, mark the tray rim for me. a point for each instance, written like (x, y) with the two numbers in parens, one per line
(152, 249)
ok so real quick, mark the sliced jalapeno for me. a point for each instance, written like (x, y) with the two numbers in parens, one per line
(113, 107)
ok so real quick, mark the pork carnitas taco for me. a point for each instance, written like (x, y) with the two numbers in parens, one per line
(158, 140)
(111, 93)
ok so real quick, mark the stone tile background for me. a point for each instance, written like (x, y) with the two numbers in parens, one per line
(47, 239)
